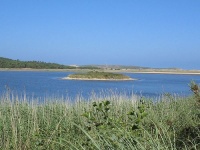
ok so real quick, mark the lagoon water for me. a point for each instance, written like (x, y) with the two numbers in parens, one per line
(43, 84)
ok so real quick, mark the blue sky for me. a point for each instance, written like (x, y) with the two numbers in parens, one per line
(152, 33)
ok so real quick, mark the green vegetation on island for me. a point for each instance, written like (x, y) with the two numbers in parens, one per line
(99, 75)
(114, 122)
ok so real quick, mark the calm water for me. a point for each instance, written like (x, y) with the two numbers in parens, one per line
(42, 84)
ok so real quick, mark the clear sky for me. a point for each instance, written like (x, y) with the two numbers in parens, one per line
(151, 33)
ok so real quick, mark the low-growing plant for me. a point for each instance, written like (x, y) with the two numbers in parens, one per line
(99, 119)
(194, 87)
(136, 116)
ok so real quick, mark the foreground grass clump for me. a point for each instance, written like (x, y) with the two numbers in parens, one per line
(112, 122)
(99, 75)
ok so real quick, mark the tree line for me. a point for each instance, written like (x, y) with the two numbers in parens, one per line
(9, 63)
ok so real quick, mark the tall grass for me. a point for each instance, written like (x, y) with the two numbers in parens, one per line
(114, 121)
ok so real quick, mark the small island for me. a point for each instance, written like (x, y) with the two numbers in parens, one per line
(95, 75)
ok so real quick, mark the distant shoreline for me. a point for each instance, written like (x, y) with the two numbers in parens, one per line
(160, 72)
(184, 72)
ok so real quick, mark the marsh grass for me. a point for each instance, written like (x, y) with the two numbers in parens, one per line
(114, 121)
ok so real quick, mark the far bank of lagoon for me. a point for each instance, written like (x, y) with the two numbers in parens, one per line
(139, 71)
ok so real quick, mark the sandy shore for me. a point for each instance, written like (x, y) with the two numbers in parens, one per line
(96, 79)
(157, 72)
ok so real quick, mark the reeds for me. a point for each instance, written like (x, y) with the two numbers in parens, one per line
(114, 121)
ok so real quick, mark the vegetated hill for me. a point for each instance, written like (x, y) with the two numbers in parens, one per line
(10, 63)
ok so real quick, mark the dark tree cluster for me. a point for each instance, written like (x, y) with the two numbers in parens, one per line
(9, 63)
